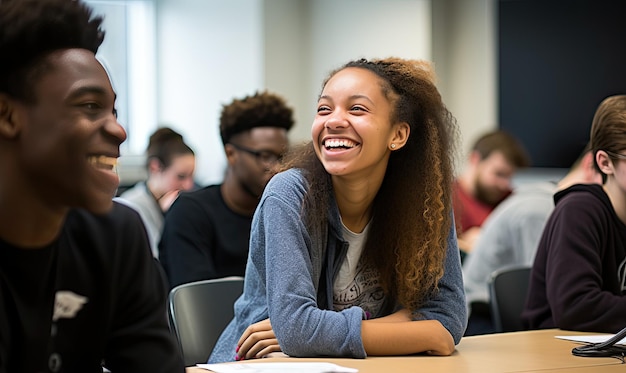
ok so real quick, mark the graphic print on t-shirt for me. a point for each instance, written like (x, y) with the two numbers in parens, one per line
(364, 291)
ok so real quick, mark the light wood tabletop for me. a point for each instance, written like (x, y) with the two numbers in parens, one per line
(529, 351)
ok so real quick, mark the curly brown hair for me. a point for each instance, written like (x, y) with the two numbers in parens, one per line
(263, 109)
(412, 212)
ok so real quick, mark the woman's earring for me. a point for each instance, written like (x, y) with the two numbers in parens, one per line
(392, 146)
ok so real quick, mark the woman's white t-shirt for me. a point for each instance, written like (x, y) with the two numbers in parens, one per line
(357, 285)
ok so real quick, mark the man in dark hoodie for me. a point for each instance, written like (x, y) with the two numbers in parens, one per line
(578, 281)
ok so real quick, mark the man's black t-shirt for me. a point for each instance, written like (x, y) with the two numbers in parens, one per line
(203, 239)
(94, 295)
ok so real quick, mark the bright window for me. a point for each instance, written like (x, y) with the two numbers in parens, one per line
(129, 55)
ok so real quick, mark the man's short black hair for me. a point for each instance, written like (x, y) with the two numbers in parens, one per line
(31, 29)
(263, 109)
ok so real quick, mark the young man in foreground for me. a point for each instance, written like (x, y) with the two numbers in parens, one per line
(79, 288)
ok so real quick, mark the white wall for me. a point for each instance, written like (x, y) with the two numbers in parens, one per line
(210, 51)
(464, 52)
(350, 29)
(287, 56)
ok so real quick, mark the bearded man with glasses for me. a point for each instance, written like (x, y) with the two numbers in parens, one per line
(206, 232)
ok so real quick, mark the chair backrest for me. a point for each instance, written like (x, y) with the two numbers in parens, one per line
(199, 312)
(507, 291)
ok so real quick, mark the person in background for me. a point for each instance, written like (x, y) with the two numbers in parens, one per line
(206, 232)
(79, 288)
(353, 247)
(578, 278)
(510, 236)
(170, 163)
(485, 182)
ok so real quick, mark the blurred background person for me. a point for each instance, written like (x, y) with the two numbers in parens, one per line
(170, 163)
(206, 232)
(578, 278)
(510, 236)
(485, 182)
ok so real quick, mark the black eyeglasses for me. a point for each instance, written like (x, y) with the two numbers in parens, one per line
(266, 157)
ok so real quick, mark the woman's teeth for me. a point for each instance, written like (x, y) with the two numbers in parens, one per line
(339, 144)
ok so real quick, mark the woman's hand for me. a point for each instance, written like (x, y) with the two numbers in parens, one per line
(467, 239)
(398, 337)
(257, 341)
(166, 200)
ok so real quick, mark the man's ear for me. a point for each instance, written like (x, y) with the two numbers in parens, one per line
(9, 117)
(475, 158)
(154, 165)
(604, 162)
(230, 152)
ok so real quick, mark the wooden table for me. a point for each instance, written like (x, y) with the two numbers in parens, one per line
(531, 351)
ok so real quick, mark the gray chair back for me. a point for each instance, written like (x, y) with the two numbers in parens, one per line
(199, 312)
(507, 292)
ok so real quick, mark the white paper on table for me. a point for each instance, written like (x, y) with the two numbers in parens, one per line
(279, 367)
(595, 338)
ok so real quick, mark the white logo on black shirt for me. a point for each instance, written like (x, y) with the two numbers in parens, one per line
(67, 304)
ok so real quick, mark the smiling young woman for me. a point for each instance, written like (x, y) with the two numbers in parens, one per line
(361, 219)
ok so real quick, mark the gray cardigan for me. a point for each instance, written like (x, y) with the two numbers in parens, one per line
(290, 281)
